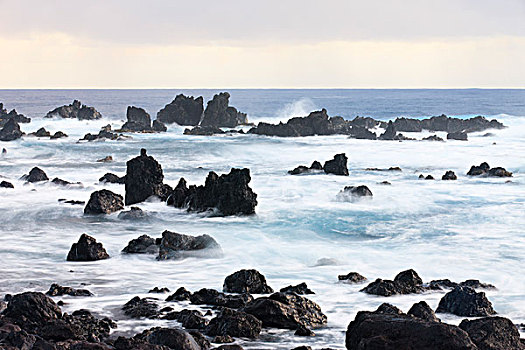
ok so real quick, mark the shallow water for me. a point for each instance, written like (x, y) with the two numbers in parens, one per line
(469, 228)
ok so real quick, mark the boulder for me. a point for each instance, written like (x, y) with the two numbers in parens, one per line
(137, 120)
(5, 116)
(499, 172)
(352, 277)
(465, 301)
(87, 249)
(42, 132)
(159, 290)
(337, 166)
(103, 202)
(228, 194)
(432, 138)
(394, 330)
(178, 246)
(301, 169)
(135, 213)
(61, 182)
(429, 177)
(182, 110)
(191, 319)
(104, 134)
(75, 110)
(144, 178)
(58, 135)
(204, 131)
(212, 297)
(423, 311)
(301, 288)
(288, 311)
(406, 282)
(159, 126)
(302, 331)
(112, 178)
(142, 245)
(180, 294)
(246, 281)
(106, 159)
(172, 338)
(35, 175)
(493, 333)
(31, 309)
(408, 125)
(449, 175)
(10, 131)
(141, 308)
(219, 113)
(57, 290)
(390, 132)
(351, 192)
(235, 324)
(5, 184)
(458, 135)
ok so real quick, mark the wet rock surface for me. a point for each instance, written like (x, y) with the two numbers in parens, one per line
(6, 184)
(112, 178)
(35, 175)
(57, 290)
(449, 175)
(103, 202)
(87, 249)
(218, 113)
(183, 110)
(465, 301)
(493, 333)
(134, 213)
(406, 282)
(352, 192)
(142, 245)
(178, 246)
(246, 281)
(144, 178)
(207, 296)
(141, 308)
(485, 170)
(235, 324)
(105, 133)
(301, 288)
(75, 110)
(337, 166)
(5, 116)
(352, 277)
(458, 135)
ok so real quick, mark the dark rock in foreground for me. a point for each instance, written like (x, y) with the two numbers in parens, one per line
(235, 324)
(178, 246)
(212, 297)
(87, 249)
(228, 194)
(493, 333)
(352, 277)
(112, 178)
(5, 184)
(465, 301)
(486, 170)
(35, 175)
(182, 110)
(337, 166)
(31, 309)
(449, 175)
(103, 202)
(138, 308)
(389, 330)
(180, 294)
(423, 311)
(288, 311)
(75, 110)
(169, 338)
(406, 282)
(246, 281)
(57, 290)
(142, 245)
(219, 113)
(301, 288)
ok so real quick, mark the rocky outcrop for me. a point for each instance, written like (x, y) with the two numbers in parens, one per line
(407, 125)
(144, 178)
(493, 333)
(10, 131)
(58, 290)
(159, 126)
(458, 135)
(337, 166)
(228, 194)
(246, 281)
(432, 138)
(104, 134)
(138, 120)
(449, 175)
(406, 282)
(499, 172)
(141, 308)
(465, 301)
(42, 132)
(190, 319)
(182, 110)
(301, 169)
(5, 116)
(6, 184)
(75, 110)
(423, 311)
(349, 193)
(392, 329)
(180, 294)
(485, 170)
(168, 338)
(35, 175)
(235, 324)
(112, 178)
(218, 113)
(134, 213)
(32, 309)
(87, 249)
(390, 132)
(142, 245)
(103, 202)
(204, 131)
(288, 311)
(451, 125)
(301, 288)
(207, 296)
(352, 277)
(178, 246)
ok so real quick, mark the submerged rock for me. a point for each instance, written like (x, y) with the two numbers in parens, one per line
(144, 178)
(180, 294)
(449, 175)
(301, 288)
(235, 324)
(57, 290)
(465, 301)
(112, 178)
(288, 311)
(246, 281)
(178, 246)
(103, 202)
(406, 282)
(337, 166)
(351, 192)
(106, 159)
(138, 308)
(212, 297)
(58, 135)
(35, 175)
(87, 249)
(135, 213)
(104, 134)
(219, 113)
(142, 245)
(10, 131)
(42, 132)
(499, 172)
(5, 184)
(75, 110)
(352, 277)
(432, 138)
(458, 135)
(204, 131)
(182, 110)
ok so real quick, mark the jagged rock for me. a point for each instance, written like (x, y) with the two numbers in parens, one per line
(351, 192)
(337, 166)
(218, 113)
(213, 297)
(72, 202)
(288, 311)
(31, 309)
(178, 246)
(75, 110)
(159, 126)
(301, 288)
(200, 339)
(11, 131)
(180, 294)
(106, 159)
(423, 311)
(390, 132)
(246, 281)
(465, 301)
(204, 131)
(159, 290)
(58, 135)
(432, 138)
(12, 115)
(57, 290)
(302, 331)
(476, 284)
(493, 333)
(5, 184)
(136, 343)
(170, 337)
(144, 178)
(42, 132)
(392, 330)
(352, 277)
(142, 245)
(301, 169)
(482, 169)
(35, 175)
(235, 324)
(135, 213)
(182, 110)
(112, 178)
(458, 135)
(406, 282)
(368, 123)
(407, 125)
(137, 120)
(228, 194)
(87, 249)
(58, 181)
(103, 134)
(387, 308)
(499, 172)
(103, 202)
(361, 133)
(138, 308)
(190, 319)
(221, 339)
(449, 175)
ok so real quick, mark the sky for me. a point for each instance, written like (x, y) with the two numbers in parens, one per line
(262, 44)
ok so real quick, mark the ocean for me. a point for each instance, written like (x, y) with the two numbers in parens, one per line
(469, 228)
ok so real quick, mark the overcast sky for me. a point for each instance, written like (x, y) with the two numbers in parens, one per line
(270, 43)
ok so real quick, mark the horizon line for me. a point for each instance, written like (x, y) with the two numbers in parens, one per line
(263, 88)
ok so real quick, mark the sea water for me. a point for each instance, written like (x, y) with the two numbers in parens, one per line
(469, 228)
